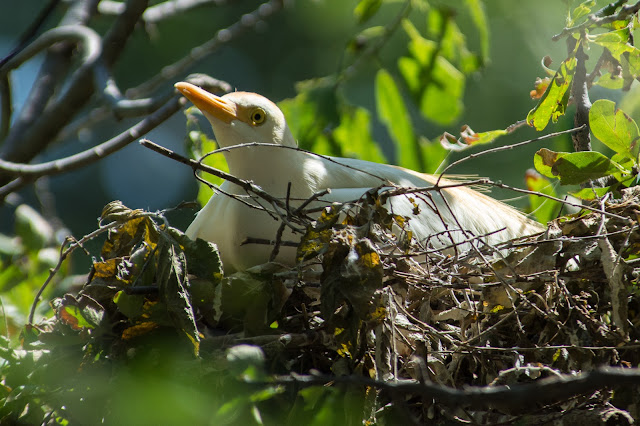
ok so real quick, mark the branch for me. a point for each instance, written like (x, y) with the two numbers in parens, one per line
(173, 71)
(38, 128)
(505, 148)
(580, 94)
(601, 17)
(31, 31)
(543, 390)
(28, 172)
(52, 72)
(168, 9)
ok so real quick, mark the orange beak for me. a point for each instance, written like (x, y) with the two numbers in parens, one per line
(209, 103)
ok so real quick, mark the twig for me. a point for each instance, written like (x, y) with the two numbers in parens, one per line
(601, 17)
(168, 9)
(31, 31)
(505, 148)
(64, 253)
(171, 72)
(27, 172)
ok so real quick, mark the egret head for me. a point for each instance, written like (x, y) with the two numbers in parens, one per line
(240, 117)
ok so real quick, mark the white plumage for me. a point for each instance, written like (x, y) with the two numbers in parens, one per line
(240, 117)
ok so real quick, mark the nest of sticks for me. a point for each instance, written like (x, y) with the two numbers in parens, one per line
(525, 332)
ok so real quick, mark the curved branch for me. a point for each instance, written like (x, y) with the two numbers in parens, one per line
(31, 31)
(28, 172)
(39, 127)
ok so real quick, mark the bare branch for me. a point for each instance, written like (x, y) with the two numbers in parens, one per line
(28, 172)
(173, 71)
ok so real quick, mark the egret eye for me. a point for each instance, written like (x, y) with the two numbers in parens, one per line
(258, 116)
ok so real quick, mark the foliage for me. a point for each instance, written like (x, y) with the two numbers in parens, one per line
(159, 334)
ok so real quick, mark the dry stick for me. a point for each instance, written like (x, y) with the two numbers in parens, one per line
(28, 172)
(245, 185)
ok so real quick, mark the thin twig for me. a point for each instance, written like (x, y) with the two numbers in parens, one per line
(28, 172)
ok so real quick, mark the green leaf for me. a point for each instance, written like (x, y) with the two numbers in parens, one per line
(354, 136)
(543, 208)
(610, 82)
(365, 9)
(591, 193)
(479, 18)
(553, 103)
(394, 115)
(314, 108)
(576, 167)
(34, 231)
(441, 101)
(614, 128)
(582, 10)
(615, 41)
(173, 289)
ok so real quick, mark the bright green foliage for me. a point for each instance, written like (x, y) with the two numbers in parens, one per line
(553, 103)
(366, 9)
(573, 168)
(614, 128)
(354, 136)
(393, 113)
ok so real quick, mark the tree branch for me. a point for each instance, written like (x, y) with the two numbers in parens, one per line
(173, 71)
(540, 391)
(29, 172)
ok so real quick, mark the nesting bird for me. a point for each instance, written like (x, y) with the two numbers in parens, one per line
(228, 220)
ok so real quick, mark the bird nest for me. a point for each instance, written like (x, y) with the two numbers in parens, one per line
(413, 332)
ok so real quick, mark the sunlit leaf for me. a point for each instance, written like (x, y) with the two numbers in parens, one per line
(441, 101)
(469, 138)
(393, 113)
(365, 9)
(354, 135)
(582, 10)
(472, 138)
(614, 128)
(553, 103)
(591, 193)
(311, 111)
(610, 81)
(479, 18)
(615, 41)
(575, 167)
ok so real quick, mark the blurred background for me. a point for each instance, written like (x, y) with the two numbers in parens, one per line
(306, 39)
